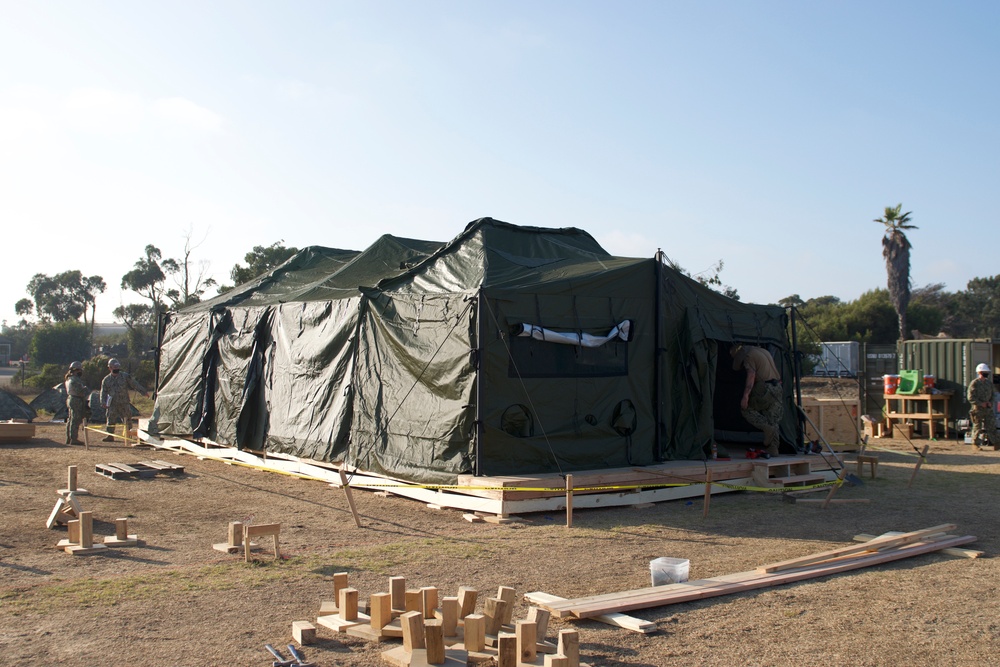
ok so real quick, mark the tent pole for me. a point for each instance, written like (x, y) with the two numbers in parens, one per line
(797, 370)
(657, 445)
(480, 337)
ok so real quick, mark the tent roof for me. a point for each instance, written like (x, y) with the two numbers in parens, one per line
(491, 253)
(316, 273)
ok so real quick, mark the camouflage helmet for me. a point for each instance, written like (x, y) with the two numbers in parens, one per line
(76, 366)
(114, 363)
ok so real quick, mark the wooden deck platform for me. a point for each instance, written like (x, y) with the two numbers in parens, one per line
(504, 496)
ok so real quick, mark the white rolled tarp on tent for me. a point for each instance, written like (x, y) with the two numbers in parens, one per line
(620, 331)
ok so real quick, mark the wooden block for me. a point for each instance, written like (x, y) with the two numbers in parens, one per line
(380, 609)
(413, 630)
(526, 640)
(506, 650)
(303, 632)
(121, 528)
(397, 591)
(339, 583)
(472, 518)
(327, 607)
(556, 660)
(508, 595)
(86, 529)
(449, 616)
(235, 534)
(569, 646)
(414, 601)
(466, 601)
(494, 611)
(540, 617)
(434, 641)
(73, 531)
(428, 600)
(475, 632)
(347, 604)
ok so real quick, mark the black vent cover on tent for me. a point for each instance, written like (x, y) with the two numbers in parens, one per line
(623, 418)
(517, 421)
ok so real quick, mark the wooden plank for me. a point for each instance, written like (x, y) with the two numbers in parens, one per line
(873, 545)
(657, 596)
(614, 618)
(961, 553)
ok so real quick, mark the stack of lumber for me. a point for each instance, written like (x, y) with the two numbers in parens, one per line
(141, 469)
(12, 432)
(882, 549)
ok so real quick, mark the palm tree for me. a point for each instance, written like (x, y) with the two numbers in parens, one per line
(896, 251)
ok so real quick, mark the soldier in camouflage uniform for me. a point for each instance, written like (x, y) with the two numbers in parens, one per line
(761, 404)
(114, 398)
(76, 402)
(981, 411)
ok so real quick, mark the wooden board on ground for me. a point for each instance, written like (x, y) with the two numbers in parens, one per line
(658, 596)
(418, 658)
(620, 620)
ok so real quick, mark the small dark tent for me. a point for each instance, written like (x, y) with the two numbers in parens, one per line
(509, 350)
(13, 406)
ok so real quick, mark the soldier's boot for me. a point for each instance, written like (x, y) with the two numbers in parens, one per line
(110, 437)
(771, 440)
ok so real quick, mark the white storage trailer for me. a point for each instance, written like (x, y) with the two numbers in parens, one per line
(839, 359)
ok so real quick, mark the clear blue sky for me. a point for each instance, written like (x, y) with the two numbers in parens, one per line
(765, 134)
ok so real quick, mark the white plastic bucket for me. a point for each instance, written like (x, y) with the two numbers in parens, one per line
(669, 570)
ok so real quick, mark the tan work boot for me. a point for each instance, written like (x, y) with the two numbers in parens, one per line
(108, 438)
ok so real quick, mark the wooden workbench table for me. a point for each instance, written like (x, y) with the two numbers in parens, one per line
(928, 408)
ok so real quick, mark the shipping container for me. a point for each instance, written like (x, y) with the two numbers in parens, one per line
(838, 359)
(952, 362)
(877, 362)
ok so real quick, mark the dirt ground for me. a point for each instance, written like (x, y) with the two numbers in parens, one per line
(176, 601)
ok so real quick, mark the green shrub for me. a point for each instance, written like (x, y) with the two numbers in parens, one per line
(49, 376)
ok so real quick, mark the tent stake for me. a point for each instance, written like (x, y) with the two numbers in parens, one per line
(569, 501)
(833, 489)
(920, 462)
(350, 497)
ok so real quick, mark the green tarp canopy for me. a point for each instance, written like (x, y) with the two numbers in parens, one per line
(508, 350)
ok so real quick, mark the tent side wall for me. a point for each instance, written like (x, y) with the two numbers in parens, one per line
(307, 386)
(415, 381)
(554, 407)
(183, 355)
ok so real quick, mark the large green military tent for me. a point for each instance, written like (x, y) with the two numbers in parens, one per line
(509, 350)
